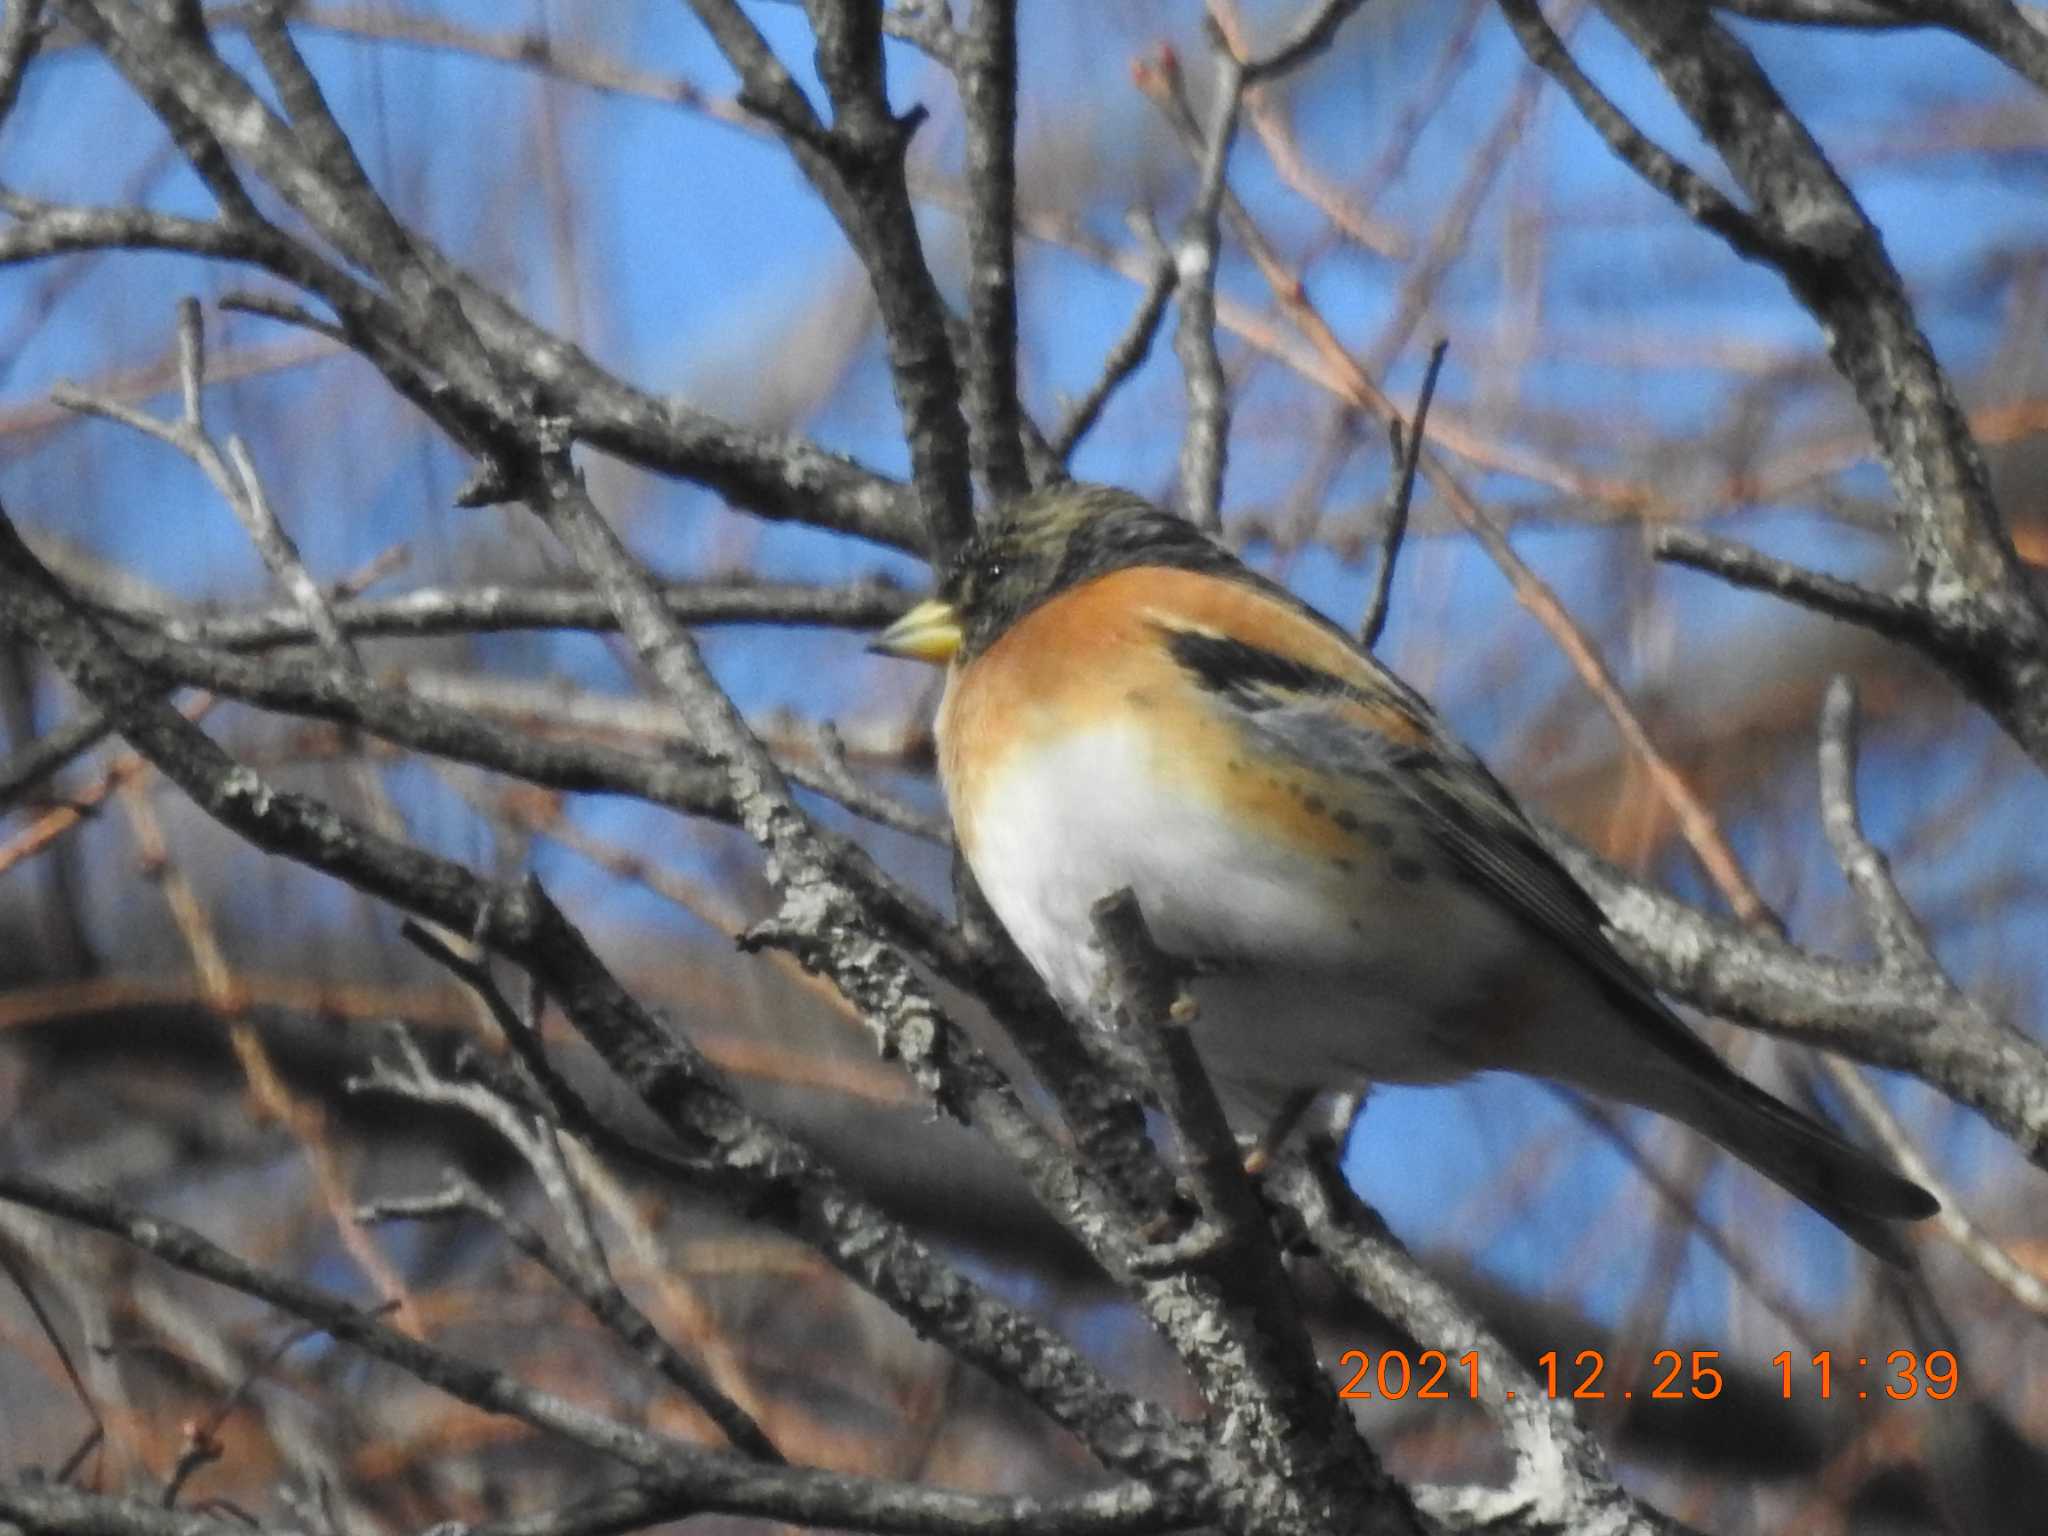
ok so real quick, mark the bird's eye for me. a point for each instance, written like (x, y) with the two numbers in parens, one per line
(991, 573)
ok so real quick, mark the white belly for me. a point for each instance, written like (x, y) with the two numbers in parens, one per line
(1326, 977)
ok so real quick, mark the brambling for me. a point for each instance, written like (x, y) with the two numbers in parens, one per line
(1128, 705)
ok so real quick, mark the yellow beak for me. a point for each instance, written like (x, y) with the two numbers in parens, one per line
(929, 632)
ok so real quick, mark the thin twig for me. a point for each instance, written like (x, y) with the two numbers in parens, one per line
(270, 306)
(599, 1294)
(270, 1097)
(1408, 451)
(1313, 32)
(1123, 359)
(202, 1442)
(55, 1339)
(482, 1386)
(1902, 943)
(86, 802)
(1343, 211)
(2020, 1281)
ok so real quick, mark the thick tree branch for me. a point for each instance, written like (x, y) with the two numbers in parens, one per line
(55, 1509)
(1205, 440)
(857, 166)
(714, 1482)
(1903, 949)
(2017, 35)
(759, 1167)
(1561, 1481)
(1965, 571)
(431, 612)
(1947, 1039)
(1231, 1244)
(1126, 1509)
(1700, 198)
(21, 35)
(987, 69)
(768, 474)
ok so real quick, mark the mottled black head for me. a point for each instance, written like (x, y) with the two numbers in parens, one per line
(1036, 547)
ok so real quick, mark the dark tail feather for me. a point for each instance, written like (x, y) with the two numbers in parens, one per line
(1845, 1184)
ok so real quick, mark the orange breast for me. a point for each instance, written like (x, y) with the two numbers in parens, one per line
(1097, 653)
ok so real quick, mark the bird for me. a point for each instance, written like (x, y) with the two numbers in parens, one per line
(1127, 705)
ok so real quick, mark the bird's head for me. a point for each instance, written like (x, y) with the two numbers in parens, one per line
(1034, 548)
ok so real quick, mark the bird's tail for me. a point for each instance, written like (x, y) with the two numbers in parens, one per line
(1844, 1183)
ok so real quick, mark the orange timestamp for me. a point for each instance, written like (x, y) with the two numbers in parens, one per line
(1677, 1376)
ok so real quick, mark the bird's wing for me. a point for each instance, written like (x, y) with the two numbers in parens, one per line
(1342, 719)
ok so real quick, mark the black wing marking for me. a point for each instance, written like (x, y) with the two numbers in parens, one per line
(1250, 676)
(1323, 721)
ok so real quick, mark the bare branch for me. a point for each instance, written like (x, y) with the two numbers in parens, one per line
(1124, 358)
(1834, 262)
(1902, 945)
(1561, 1480)
(759, 1167)
(201, 1436)
(21, 35)
(2022, 1283)
(716, 1482)
(1147, 998)
(438, 611)
(196, 141)
(1901, 618)
(1313, 32)
(1903, 949)
(27, 766)
(1124, 1509)
(857, 166)
(769, 474)
(1835, 13)
(1692, 192)
(1947, 1039)
(52, 1509)
(1205, 442)
(480, 1385)
(1407, 454)
(987, 69)
(2010, 33)
(590, 1284)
